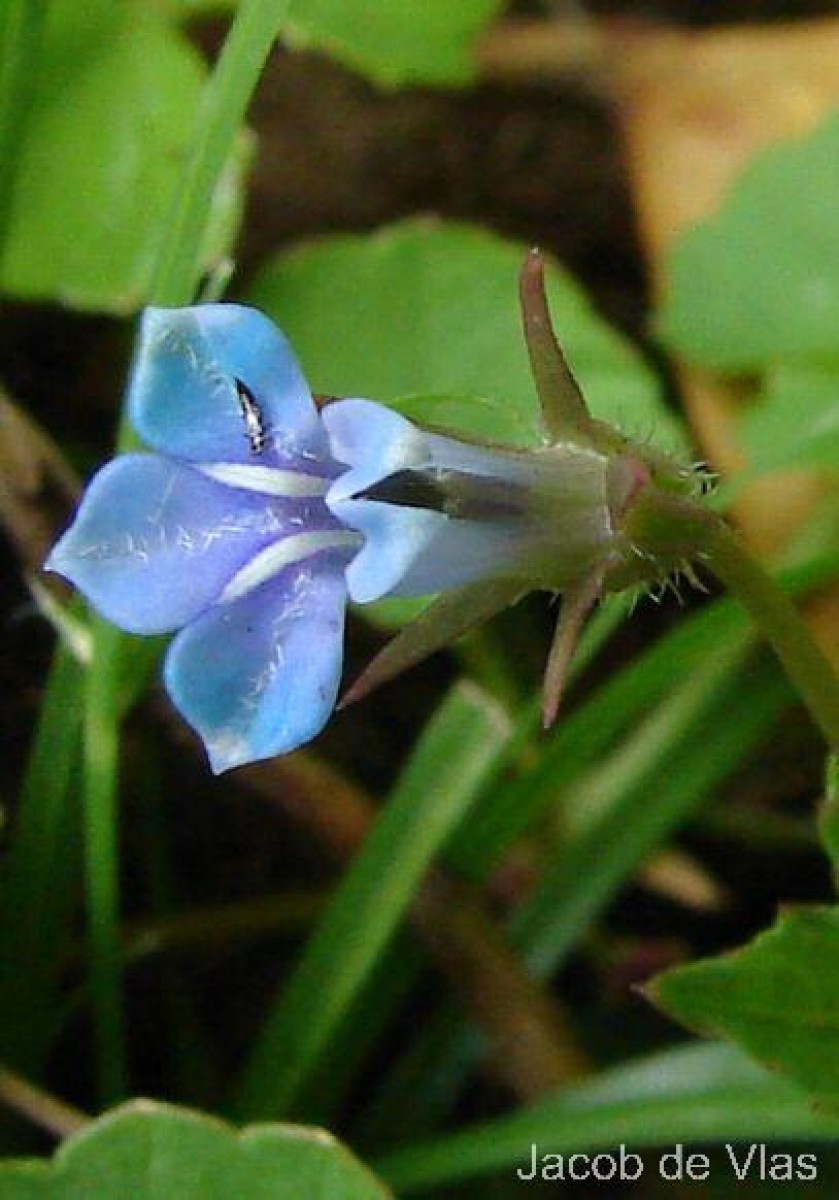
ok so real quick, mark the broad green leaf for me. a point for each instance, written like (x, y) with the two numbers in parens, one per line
(830, 814)
(429, 310)
(149, 1151)
(393, 42)
(482, 417)
(778, 998)
(187, 9)
(796, 422)
(694, 1094)
(759, 282)
(105, 145)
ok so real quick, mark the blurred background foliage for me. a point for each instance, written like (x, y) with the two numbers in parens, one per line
(426, 931)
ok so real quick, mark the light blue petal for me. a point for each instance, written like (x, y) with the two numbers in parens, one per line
(376, 442)
(155, 542)
(417, 552)
(394, 539)
(373, 441)
(409, 551)
(183, 396)
(463, 552)
(478, 512)
(259, 676)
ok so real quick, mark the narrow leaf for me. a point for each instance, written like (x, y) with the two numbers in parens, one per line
(437, 787)
(437, 626)
(694, 1094)
(564, 412)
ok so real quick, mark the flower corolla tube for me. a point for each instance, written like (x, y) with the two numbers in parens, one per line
(255, 516)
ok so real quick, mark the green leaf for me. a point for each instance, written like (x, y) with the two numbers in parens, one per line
(394, 612)
(829, 823)
(796, 423)
(691, 1094)
(778, 998)
(149, 1151)
(106, 139)
(393, 42)
(429, 311)
(189, 9)
(758, 282)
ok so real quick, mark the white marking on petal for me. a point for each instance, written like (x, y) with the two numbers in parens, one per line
(269, 480)
(270, 561)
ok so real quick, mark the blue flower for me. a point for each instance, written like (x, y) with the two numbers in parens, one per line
(437, 512)
(257, 516)
(479, 524)
(483, 524)
(223, 533)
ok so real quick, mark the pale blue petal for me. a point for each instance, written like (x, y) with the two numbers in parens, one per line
(478, 512)
(373, 441)
(408, 551)
(417, 551)
(155, 542)
(259, 676)
(183, 397)
(394, 539)
(462, 552)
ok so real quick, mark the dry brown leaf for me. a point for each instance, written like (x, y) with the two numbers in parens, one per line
(694, 108)
(37, 488)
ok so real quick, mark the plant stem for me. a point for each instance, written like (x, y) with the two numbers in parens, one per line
(679, 529)
(47, 1111)
(101, 860)
(780, 622)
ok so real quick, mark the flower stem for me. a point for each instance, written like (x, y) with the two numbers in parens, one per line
(678, 528)
(101, 860)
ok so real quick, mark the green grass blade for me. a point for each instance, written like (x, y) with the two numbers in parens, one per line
(40, 883)
(507, 807)
(829, 816)
(403, 961)
(426, 1079)
(222, 112)
(442, 778)
(701, 1093)
(586, 734)
(643, 792)
(101, 860)
(363, 1028)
